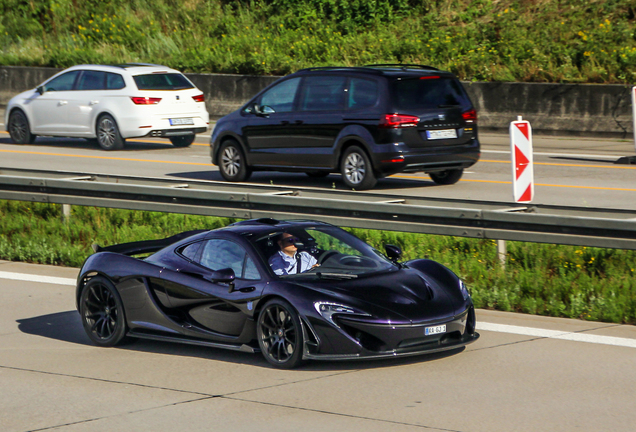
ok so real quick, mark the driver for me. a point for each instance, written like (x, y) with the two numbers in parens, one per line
(288, 260)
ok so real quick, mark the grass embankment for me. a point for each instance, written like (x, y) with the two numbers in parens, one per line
(563, 281)
(482, 40)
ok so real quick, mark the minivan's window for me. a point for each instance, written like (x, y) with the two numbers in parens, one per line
(162, 81)
(114, 81)
(221, 254)
(281, 97)
(363, 93)
(429, 93)
(62, 83)
(322, 93)
(91, 80)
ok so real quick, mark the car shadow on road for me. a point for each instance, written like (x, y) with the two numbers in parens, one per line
(67, 327)
(81, 143)
(332, 181)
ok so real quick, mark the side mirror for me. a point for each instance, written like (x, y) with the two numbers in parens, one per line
(225, 275)
(263, 110)
(393, 252)
(40, 90)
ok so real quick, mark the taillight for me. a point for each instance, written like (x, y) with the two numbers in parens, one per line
(430, 77)
(470, 116)
(145, 100)
(199, 98)
(398, 121)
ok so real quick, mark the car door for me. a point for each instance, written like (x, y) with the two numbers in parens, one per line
(84, 100)
(49, 110)
(268, 136)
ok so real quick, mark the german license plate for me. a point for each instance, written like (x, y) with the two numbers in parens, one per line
(441, 134)
(181, 121)
(435, 330)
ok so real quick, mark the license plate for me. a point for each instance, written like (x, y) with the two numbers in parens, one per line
(435, 330)
(441, 134)
(181, 121)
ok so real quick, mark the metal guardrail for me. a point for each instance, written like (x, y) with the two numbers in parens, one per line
(479, 219)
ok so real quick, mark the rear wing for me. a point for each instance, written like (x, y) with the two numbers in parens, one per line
(145, 246)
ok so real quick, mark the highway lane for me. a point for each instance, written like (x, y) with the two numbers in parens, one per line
(525, 373)
(568, 171)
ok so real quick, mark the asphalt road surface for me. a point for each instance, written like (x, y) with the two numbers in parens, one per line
(568, 170)
(525, 373)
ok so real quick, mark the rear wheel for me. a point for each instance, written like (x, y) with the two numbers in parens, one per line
(447, 177)
(232, 164)
(19, 129)
(102, 312)
(280, 334)
(108, 136)
(182, 141)
(356, 169)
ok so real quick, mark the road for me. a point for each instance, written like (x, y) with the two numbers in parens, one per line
(525, 373)
(568, 170)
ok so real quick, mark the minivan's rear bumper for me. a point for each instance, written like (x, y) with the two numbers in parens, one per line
(427, 160)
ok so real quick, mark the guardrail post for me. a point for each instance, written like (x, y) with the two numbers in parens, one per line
(66, 213)
(501, 252)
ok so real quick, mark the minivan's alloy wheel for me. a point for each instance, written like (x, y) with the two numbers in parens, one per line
(102, 312)
(232, 162)
(182, 141)
(280, 335)
(108, 135)
(447, 177)
(19, 128)
(356, 169)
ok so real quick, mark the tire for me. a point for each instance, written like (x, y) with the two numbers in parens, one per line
(19, 128)
(317, 174)
(280, 335)
(232, 164)
(182, 141)
(447, 177)
(108, 136)
(356, 169)
(102, 313)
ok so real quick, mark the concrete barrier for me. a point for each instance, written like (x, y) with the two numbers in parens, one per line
(556, 109)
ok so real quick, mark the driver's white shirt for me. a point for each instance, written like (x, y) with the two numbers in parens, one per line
(283, 264)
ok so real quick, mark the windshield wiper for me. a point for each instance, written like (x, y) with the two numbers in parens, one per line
(323, 275)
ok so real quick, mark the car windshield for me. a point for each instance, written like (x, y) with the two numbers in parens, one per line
(162, 81)
(324, 252)
(434, 92)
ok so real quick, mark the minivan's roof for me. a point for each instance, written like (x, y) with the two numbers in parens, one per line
(132, 68)
(394, 70)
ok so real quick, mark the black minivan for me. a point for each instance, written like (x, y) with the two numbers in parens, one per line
(364, 122)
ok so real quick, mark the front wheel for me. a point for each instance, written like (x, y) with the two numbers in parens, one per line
(280, 334)
(19, 129)
(182, 141)
(232, 164)
(447, 177)
(356, 169)
(102, 312)
(108, 136)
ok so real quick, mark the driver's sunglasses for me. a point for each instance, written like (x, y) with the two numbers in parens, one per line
(291, 240)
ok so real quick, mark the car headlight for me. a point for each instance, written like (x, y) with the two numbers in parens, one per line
(464, 290)
(328, 310)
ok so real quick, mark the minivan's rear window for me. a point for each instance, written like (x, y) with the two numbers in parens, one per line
(162, 81)
(415, 94)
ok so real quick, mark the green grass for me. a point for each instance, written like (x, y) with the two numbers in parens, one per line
(562, 281)
(483, 40)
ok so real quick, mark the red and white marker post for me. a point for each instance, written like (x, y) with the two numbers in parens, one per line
(634, 112)
(521, 152)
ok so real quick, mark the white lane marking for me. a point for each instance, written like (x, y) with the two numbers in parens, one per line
(36, 278)
(556, 334)
(578, 155)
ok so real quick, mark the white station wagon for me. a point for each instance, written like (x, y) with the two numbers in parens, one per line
(108, 104)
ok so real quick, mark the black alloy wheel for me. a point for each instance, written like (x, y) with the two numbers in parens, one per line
(232, 164)
(447, 177)
(19, 129)
(280, 334)
(108, 136)
(356, 169)
(182, 141)
(102, 313)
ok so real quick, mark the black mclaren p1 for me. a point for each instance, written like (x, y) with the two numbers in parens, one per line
(292, 290)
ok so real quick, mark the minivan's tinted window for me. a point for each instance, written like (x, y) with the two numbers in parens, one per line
(281, 97)
(413, 94)
(322, 93)
(363, 93)
(62, 83)
(91, 80)
(162, 81)
(114, 81)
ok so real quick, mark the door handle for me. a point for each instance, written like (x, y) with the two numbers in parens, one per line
(284, 122)
(93, 102)
(60, 103)
(298, 122)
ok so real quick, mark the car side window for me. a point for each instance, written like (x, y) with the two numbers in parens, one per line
(114, 81)
(62, 83)
(323, 93)
(221, 254)
(91, 80)
(190, 251)
(281, 97)
(363, 93)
